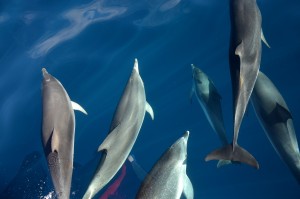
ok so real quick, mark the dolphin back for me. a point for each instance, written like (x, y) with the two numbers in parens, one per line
(167, 178)
(124, 130)
(277, 122)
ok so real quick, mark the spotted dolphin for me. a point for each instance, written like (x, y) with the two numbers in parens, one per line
(277, 122)
(210, 101)
(244, 60)
(124, 129)
(168, 178)
(58, 131)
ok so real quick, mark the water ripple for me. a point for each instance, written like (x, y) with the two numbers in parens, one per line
(79, 18)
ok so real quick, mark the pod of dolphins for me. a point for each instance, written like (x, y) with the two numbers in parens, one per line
(168, 178)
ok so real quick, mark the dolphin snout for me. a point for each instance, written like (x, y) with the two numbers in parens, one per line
(136, 65)
(45, 74)
(186, 135)
(193, 66)
(44, 71)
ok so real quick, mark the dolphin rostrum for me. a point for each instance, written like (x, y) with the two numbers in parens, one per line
(244, 60)
(168, 178)
(58, 133)
(124, 129)
(210, 101)
(277, 122)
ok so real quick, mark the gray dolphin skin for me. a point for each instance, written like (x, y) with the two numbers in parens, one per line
(168, 178)
(277, 122)
(58, 130)
(244, 61)
(210, 101)
(124, 129)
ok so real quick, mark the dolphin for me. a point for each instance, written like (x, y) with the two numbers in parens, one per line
(277, 122)
(58, 130)
(210, 101)
(168, 178)
(244, 60)
(124, 129)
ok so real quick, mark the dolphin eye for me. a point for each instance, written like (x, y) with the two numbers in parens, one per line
(198, 81)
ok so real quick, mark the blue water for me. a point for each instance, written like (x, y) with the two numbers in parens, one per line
(90, 47)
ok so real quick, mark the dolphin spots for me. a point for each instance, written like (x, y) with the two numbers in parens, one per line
(53, 159)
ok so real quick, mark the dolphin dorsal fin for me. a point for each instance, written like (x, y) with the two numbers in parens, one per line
(109, 139)
(77, 107)
(283, 113)
(149, 110)
(239, 49)
(264, 39)
(54, 140)
(188, 190)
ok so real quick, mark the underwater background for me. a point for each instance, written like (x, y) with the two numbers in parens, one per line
(90, 46)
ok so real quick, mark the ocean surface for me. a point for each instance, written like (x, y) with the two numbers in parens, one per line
(90, 46)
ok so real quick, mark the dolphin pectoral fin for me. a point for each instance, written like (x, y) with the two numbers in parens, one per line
(150, 110)
(77, 107)
(239, 49)
(223, 163)
(139, 171)
(109, 139)
(188, 190)
(237, 155)
(192, 93)
(264, 39)
(282, 113)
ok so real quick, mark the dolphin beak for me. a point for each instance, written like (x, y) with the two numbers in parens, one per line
(186, 135)
(44, 71)
(192, 65)
(45, 74)
(136, 65)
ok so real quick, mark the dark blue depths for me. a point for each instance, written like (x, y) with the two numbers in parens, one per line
(90, 47)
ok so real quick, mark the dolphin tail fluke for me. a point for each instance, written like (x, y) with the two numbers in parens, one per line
(238, 154)
(223, 163)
